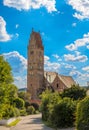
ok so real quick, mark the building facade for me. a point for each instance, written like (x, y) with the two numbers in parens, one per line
(35, 69)
(37, 79)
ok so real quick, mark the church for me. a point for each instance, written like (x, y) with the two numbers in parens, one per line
(37, 79)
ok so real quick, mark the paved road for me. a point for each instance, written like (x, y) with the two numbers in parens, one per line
(31, 122)
(4, 128)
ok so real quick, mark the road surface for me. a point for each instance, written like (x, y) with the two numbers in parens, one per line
(31, 122)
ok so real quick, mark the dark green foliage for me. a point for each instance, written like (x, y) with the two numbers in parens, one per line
(19, 103)
(82, 115)
(27, 104)
(75, 92)
(62, 114)
(56, 111)
(48, 98)
(30, 110)
(23, 112)
(36, 106)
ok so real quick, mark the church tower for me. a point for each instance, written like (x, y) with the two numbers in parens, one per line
(35, 69)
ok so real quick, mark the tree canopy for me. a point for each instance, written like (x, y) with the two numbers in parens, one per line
(75, 92)
(5, 72)
(8, 91)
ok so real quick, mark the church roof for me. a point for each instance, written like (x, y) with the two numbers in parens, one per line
(38, 40)
(67, 80)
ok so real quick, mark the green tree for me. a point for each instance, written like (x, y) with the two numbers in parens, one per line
(5, 72)
(57, 111)
(82, 114)
(62, 114)
(75, 92)
(8, 91)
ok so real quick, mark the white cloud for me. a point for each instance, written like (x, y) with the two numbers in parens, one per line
(50, 66)
(73, 58)
(17, 61)
(79, 43)
(29, 4)
(4, 36)
(56, 56)
(75, 73)
(77, 53)
(74, 24)
(68, 66)
(80, 78)
(19, 68)
(86, 68)
(81, 7)
(46, 58)
(21, 81)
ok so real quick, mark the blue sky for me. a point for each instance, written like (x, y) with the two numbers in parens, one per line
(64, 27)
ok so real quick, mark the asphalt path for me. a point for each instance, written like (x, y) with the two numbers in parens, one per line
(31, 122)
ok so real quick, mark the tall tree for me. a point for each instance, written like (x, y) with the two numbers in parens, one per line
(75, 92)
(8, 91)
(5, 72)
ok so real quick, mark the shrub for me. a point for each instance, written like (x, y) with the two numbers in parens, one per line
(58, 112)
(27, 104)
(23, 112)
(9, 111)
(48, 99)
(82, 114)
(62, 114)
(19, 103)
(36, 106)
(17, 112)
(75, 92)
(30, 110)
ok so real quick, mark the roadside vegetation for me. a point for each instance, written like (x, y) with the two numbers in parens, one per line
(66, 109)
(69, 108)
(12, 102)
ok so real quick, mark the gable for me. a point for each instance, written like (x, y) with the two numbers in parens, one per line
(50, 76)
(67, 80)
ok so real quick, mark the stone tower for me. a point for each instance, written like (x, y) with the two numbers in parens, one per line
(35, 71)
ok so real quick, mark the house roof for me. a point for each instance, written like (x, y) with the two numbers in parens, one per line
(67, 80)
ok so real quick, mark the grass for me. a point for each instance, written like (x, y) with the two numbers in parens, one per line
(14, 122)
